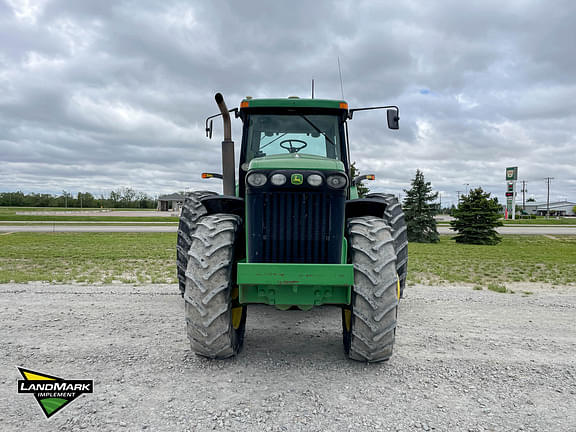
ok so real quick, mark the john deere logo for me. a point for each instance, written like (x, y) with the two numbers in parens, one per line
(297, 179)
(52, 393)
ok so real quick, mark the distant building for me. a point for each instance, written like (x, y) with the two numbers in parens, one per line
(557, 208)
(172, 202)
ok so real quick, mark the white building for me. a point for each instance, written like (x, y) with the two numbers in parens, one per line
(172, 202)
(557, 208)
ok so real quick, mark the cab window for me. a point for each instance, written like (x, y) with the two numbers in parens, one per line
(274, 134)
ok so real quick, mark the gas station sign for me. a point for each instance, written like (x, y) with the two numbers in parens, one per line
(512, 173)
(511, 178)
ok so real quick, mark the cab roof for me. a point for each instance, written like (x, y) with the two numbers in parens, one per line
(293, 102)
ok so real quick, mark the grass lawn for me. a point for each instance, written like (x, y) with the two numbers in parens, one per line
(83, 218)
(150, 258)
(539, 221)
(518, 258)
(9, 214)
(7, 209)
(88, 223)
(88, 257)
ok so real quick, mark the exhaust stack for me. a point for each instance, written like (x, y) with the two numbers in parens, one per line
(228, 163)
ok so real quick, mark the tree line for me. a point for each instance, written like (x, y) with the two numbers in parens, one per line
(121, 198)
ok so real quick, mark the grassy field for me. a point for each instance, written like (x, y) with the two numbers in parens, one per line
(539, 221)
(88, 257)
(14, 210)
(9, 214)
(150, 258)
(550, 259)
(130, 221)
(83, 218)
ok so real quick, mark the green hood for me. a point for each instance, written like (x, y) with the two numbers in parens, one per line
(296, 161)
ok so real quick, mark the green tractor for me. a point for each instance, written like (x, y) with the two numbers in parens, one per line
(292, 231)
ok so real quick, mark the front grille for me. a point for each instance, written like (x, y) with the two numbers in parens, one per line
(287, 226)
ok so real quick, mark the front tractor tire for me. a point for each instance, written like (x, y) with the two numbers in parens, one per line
(215, 320)
(369, 323)
(192, 210)
(394, 217)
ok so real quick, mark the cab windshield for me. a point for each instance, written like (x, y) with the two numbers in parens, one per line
(274, 134)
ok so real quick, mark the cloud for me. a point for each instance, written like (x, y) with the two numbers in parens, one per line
(98, 95)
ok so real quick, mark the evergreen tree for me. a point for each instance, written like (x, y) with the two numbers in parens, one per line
(476, 218)
(419, 211)
(355, 172)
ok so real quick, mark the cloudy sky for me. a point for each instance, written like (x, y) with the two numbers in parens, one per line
(97, 95)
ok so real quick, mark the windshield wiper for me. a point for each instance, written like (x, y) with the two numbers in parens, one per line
(317, 129)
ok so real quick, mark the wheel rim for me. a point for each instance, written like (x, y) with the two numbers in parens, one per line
(237, 310)
(348, 319)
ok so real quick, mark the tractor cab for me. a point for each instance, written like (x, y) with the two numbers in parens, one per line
(288, 133)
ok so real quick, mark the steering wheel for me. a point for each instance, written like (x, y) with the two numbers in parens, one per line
(290, 147)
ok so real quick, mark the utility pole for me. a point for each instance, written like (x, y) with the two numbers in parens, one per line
(466, 184)
(548, 179)
(524, 190)
(458, 193)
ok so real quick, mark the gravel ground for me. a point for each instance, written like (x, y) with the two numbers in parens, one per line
(464, 360)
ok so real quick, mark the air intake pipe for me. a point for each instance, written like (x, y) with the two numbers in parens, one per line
(228, 163)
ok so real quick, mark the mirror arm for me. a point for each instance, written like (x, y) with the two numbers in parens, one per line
(209, 124)
(351, 112)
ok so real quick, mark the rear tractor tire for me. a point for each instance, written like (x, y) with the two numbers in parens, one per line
(394, 217)
(192, 210)
(369, 323)
(215, 320)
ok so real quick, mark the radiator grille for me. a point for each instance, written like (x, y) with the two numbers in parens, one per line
(295, 227)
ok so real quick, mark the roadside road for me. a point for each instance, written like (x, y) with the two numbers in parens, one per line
(464, 360)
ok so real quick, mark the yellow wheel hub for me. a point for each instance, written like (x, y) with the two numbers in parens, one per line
(237, 310)
(348, 319)
(237, 317)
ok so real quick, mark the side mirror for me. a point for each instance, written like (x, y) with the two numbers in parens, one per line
(209, 130)
(393, 119)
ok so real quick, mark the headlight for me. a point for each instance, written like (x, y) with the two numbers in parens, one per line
(336, 181)
(278, 179)
(314, 180)
(256, 179)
